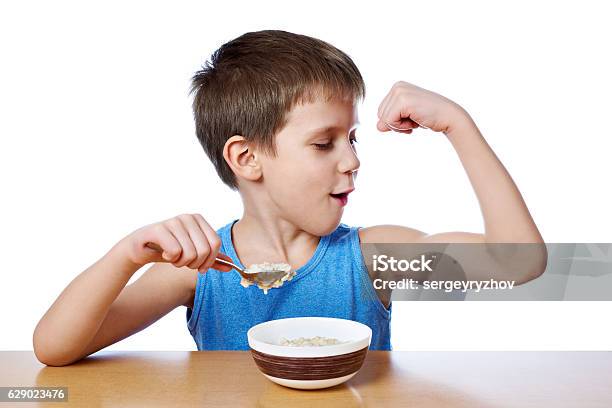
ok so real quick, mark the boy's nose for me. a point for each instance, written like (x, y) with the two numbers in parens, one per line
(350, 162)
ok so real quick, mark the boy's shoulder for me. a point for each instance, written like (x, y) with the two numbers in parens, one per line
(380, 234)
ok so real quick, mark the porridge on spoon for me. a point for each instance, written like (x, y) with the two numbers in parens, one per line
(284, 273)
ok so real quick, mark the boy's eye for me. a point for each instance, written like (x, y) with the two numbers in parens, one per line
(323, 146)
(328, 145)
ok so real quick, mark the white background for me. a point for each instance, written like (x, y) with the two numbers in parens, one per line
(97, 140)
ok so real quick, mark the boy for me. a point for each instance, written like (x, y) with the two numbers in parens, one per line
(276, 113)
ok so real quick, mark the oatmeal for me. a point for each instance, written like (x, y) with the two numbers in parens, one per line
(267, 266)
(311, 341)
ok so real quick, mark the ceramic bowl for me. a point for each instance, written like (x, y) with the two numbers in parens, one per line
(309, 367)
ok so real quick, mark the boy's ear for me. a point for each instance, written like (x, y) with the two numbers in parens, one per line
(241, 158)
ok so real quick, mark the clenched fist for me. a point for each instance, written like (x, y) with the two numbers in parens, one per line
(184, 240)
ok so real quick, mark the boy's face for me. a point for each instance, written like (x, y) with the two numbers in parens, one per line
(315, 158)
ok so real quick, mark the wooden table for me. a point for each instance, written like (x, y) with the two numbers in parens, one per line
(393, 379)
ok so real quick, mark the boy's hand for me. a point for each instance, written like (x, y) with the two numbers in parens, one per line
(185, 240)
(407, 107)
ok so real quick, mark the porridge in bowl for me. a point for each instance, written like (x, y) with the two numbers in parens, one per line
(316, 341)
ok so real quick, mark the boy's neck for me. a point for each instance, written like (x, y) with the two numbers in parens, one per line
(261, 238)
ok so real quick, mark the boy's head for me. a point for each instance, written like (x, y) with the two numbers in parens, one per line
(257, 104)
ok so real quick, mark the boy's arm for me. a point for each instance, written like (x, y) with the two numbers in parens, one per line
(506, 217)
(97, 309)
(161, 289)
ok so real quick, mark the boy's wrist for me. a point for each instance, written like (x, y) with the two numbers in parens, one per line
(119, 255)
(462, 124)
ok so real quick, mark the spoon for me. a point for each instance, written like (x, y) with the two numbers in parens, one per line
(264, 278)
(261, 278)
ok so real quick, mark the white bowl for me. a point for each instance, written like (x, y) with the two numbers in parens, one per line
(309, 367)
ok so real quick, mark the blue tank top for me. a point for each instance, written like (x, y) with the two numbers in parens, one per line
(333, 283)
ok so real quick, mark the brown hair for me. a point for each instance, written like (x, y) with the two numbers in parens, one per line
(252, 82)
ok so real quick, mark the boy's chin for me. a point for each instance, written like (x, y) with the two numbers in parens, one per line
(322, 226)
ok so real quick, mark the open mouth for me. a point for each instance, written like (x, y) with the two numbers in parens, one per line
(341, 198)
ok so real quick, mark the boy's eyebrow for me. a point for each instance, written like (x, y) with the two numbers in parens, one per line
(327, 129)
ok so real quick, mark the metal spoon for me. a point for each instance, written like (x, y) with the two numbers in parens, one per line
(264, 278)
